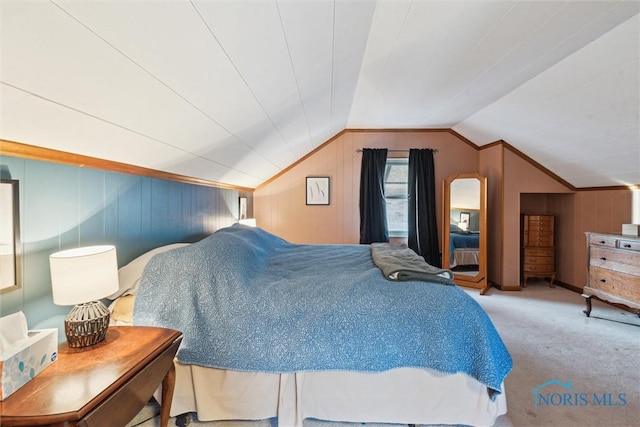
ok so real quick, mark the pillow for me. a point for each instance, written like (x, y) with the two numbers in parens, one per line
(122, 310)
(455, 229)
(129, 276)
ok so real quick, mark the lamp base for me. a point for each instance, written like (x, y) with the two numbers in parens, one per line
(86, 324)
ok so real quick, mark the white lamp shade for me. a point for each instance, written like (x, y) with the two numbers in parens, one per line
(83, 274)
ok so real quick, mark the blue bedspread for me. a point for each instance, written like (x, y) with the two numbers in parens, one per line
(247, 300)
(463, 240)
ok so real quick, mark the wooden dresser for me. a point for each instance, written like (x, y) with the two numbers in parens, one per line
(538, 250)
(613, 270)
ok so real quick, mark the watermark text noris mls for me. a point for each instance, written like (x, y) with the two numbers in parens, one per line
(543, 395)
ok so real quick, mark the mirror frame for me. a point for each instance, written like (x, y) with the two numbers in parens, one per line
(479, 281)
(11, 204)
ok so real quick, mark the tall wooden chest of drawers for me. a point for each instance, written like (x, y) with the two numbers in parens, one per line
(613, 272)
(538, 249)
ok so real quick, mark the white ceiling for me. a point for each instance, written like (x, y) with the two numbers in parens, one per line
(236, 91)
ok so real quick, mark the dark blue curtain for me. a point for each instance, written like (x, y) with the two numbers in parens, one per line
(373, 206)
(423, 224)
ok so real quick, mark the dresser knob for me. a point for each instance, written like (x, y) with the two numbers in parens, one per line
(603, 258)
(626, 245)
(602, 242)
(603, 281)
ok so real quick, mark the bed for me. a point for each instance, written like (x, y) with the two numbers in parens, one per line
(464, 247)
(374, 350)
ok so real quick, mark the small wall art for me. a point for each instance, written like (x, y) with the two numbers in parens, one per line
(318, 190)
(465, 219)
(243, 208)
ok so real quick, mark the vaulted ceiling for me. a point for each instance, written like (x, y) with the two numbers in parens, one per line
(236, 91)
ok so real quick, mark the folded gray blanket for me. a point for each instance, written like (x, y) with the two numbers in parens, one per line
(399, 262)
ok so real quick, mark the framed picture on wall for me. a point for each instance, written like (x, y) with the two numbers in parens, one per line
(465, 218)
(10, 277)
(317, 190)
(243, 208)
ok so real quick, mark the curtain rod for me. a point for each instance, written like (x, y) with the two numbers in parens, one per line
(359, 150)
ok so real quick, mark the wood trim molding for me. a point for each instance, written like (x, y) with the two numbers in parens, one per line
(613, 187)
(502, 143)
(463, 139)
(399, 130)
(32, 152)
(493, 144)
(358, 130)
(302, 159)
(554, 176)
(447, 130)
(26, 151)
(533, 163)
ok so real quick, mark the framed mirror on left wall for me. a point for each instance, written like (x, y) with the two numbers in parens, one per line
(10, 272)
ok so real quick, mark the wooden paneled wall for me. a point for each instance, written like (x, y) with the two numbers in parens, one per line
(64, 206)
(279, 206)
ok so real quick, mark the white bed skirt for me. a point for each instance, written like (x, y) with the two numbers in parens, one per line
(464, 256)
(402, 395)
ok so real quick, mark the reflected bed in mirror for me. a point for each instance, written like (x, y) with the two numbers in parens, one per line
(464, 248)
(10, 277)
(464, 229)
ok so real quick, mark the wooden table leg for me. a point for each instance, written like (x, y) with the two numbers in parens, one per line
(168, 384)
(587, 300)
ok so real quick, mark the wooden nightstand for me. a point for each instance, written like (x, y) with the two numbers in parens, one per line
(103, 385)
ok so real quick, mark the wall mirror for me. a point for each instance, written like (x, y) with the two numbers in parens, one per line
(10, 277)
(464, 229)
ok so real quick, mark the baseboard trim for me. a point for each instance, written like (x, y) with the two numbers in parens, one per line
(505, 287)
(568, 286)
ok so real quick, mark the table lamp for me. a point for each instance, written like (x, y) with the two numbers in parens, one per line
(81, 277)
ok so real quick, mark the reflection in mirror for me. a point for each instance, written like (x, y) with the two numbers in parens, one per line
(464, 229)
(464, 215)
(9, 236)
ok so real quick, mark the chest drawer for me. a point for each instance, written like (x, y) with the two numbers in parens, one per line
(538, 267)
(626, 262)
(611, 242)
(540, 219)
(544, 241)
(528, 252)
(632, 245)
(540, 234)
(540, 260)
(622, 285)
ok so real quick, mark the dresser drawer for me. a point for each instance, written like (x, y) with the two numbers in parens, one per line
(627, 262)
(536, 234)
(537, 219)
(619, 284)
(540, 260)
(603, 241)
(546, 241)
(538, 268)
(632, 245)
(538, 252)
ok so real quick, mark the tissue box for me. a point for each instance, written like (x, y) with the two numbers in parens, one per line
(26, 359)
(631, 230)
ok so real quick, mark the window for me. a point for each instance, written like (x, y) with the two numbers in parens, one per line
(396, 190)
